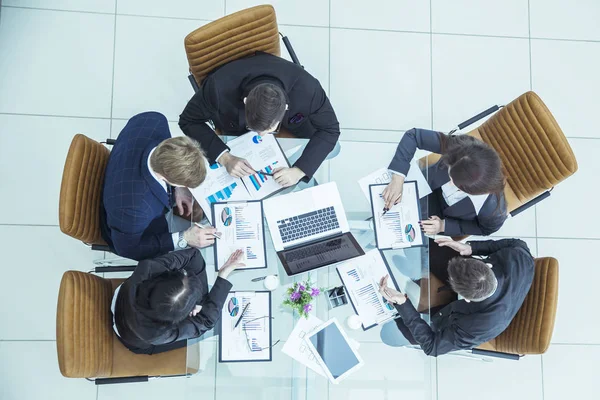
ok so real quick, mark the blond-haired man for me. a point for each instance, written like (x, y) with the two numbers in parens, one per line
(147, 173)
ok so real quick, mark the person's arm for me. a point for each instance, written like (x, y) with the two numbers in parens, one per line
(487, 247)
(132, 239)
(324, 120)
(192, 121)
(481, 226)
(148, 268)
(432, 343)
(207, 318)
(412, 140)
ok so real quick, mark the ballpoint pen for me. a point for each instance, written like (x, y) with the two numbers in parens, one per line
(241, 316)
(212, 234)
(263, 173)
(260, 278)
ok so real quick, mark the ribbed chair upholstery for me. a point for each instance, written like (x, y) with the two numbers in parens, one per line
(86, 344)
(81, 188)
(534, 151)
(531, 330)
(234, 36)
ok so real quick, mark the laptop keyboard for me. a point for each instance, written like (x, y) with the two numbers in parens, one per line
(308, 224)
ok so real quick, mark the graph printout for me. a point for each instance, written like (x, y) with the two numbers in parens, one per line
(241, 227)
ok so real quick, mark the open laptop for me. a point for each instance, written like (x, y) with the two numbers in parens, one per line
(309, 229)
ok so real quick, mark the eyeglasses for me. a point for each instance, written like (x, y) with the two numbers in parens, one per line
(252, 342)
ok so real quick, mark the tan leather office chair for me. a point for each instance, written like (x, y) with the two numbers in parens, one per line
(87, 346)
(232, 37)
(531, 330)
(534, 151)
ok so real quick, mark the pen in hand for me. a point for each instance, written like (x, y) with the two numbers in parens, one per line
(241, 316)
(212, 234)
(263, 173)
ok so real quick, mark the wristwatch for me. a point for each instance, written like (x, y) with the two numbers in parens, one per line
(182, 243)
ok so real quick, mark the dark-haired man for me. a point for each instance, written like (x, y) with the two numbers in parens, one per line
(263, 93)
(490, 293)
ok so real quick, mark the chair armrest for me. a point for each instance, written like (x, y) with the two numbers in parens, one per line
(497, 354)
(193, 83)
(115, 268)
(479, 116)
(290, 50)
(530, 203)
(101, 247)
(125, 379)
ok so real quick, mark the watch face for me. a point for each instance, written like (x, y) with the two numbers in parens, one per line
(182, 243)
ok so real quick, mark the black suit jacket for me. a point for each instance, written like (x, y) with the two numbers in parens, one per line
(220, 99)
(461, 218)
(462, 325)
(139, 331)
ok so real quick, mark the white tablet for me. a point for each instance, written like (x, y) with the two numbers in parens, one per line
(330, 346)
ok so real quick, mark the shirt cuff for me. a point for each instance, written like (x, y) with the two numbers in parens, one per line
(397, 173)
(219, 156)
(176, 241)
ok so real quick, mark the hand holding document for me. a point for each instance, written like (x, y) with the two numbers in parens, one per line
(241, 225)
(383, 175)
(361, 277)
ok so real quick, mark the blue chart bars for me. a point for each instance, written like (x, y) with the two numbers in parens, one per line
(222, 195)
(394, 224)
(354, 274)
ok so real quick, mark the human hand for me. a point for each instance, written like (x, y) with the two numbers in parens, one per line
(393, 191)
(236, 166)
(184, 201)
(195, 311)
(200, 237)
(462, 248)
(391, 295)
(433, 225)
(232, 263)
(287, 176)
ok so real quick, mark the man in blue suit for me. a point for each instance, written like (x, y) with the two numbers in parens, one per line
(147, 172)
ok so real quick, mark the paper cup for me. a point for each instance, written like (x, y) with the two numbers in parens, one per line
(353, 322)
(271, 282)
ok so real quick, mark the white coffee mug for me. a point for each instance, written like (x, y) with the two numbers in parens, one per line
(271, 282)
(353, 322)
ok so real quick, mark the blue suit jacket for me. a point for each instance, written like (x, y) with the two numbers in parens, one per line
(134, 204)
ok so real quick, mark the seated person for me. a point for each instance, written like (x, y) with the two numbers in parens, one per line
(467, 183)
(490, 293)
(262, 93)
(166, 301)
(148, 172)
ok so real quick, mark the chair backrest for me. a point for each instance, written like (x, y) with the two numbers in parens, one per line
(531, 330)
(234, 36)
(534, 151)
(81, 188)
(84, 338)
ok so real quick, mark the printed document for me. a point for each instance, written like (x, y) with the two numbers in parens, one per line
(383, 175)
(241, 227)
(361, 278)
(399, 226)
(296, 348)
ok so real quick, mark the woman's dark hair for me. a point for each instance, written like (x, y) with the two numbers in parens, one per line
(173, 296)
(471, 278)
(474, 166)
(265, 106)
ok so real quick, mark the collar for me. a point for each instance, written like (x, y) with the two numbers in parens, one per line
(252, 83)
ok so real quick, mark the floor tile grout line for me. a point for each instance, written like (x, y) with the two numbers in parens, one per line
(431, 62)
(112, 89)
(53, 116)
(34, 225)
(542, 370)
(329, 79)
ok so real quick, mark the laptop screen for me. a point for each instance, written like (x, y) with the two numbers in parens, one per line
(320, 253)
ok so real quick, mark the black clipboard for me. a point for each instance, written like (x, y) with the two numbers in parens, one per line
(387, 266)
(220, 329)
(262, 217)
(418, 228)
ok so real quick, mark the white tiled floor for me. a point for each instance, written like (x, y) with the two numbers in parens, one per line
(86, 66)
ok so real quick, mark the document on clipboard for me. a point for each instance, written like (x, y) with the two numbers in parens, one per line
(399, 227)
(383, 175)
(263, 153)
(361, 278)
(241, 225)
(251, 339)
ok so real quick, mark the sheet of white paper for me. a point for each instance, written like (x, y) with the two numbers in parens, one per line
(252, 333)
(218, 186)
(241, 227)
(361, 278)
(383, 175)
(399, 227)
(265, 155)
(297, 349)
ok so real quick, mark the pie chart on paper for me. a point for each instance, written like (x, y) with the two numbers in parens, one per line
(257, 139)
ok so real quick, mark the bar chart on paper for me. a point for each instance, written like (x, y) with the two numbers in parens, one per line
(222, 195)
(259, 179)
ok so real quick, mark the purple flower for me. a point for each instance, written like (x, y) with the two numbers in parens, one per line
(295, 296)
(307, 308)
(315, 292)
(301, 288)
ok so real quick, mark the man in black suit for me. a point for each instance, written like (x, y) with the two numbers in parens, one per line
(263, 93)
(490, 294)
